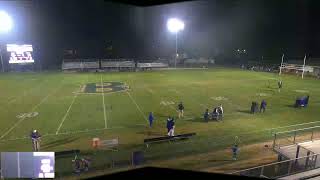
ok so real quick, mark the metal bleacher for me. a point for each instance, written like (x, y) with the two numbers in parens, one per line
(116, 64)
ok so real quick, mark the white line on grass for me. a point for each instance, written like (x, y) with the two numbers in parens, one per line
(33, 109)
(65, 116)
(137, 106)
(149, 90)
(104, 106)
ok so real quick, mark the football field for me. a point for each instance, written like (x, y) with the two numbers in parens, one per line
(69, 109)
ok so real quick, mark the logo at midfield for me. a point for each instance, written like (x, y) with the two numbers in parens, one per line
(105, 87)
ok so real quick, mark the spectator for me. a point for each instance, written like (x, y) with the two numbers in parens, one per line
(215, 114)
(263, 106)
(235, 151)
(170, 126)
(181, 109)
(252, 107)
(220, 112)
(151, 118)
(206, 115)
(307, 101)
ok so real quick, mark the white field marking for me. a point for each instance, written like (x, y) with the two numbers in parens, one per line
(65, 116)
(205, 106)
(167, 103)
(262, 94)
(104, 106)
(150, 90)
(219, 98)
(173, 108)
(13, 100)
(33, 109)
(137, 106)
(170, 103)
(272, 78)
(27, 115)
(301, 91)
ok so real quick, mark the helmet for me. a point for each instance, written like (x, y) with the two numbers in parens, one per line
(34, 131)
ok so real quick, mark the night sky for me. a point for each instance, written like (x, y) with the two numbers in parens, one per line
(212, 28)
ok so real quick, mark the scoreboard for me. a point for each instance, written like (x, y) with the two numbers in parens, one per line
(20, 54)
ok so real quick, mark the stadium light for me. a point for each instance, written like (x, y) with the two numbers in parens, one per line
(5, 22)
(5, 26)
(175, 25)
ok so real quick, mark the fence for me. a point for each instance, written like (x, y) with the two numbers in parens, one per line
(283, 168)
(286, 138)
(114, 161)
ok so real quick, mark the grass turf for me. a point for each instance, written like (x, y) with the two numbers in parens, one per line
(68, 121)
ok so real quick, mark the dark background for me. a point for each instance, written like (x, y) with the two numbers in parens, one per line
(213, 28)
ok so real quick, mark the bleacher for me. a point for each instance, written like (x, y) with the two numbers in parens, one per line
(108, 64)
(152, 65)
(90, 65)
(117, 64)
(71, 65)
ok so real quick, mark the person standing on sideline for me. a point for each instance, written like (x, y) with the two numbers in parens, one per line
(206, 115)
(35, 137)
(220, 110)
(235, 151)
(180, 109)
(170, 126)
(279, 85)
(151, 118)
(263, 106)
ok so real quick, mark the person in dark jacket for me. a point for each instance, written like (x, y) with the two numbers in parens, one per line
(215, 114)
(206, 115)
(151, 118)
(180, 109)
(170, 126)
(263, 106)
(235, 151)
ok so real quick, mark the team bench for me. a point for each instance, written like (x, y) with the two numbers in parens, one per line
(168, 138)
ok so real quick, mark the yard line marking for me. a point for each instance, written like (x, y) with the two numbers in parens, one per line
(65, 116)
(203, 105)
(137, 106)
(34, 108)
(104, 106)
(149, 90)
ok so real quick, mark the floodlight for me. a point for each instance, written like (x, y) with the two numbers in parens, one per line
(175, 25)
(5, 22)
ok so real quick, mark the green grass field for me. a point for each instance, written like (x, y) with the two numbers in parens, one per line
(68, 120)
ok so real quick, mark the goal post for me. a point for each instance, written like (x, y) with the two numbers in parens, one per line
(281, 64)
(304, 65)
(293, 68)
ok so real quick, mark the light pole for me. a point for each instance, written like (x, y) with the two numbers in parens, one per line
(5, 26)
(175, 25)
